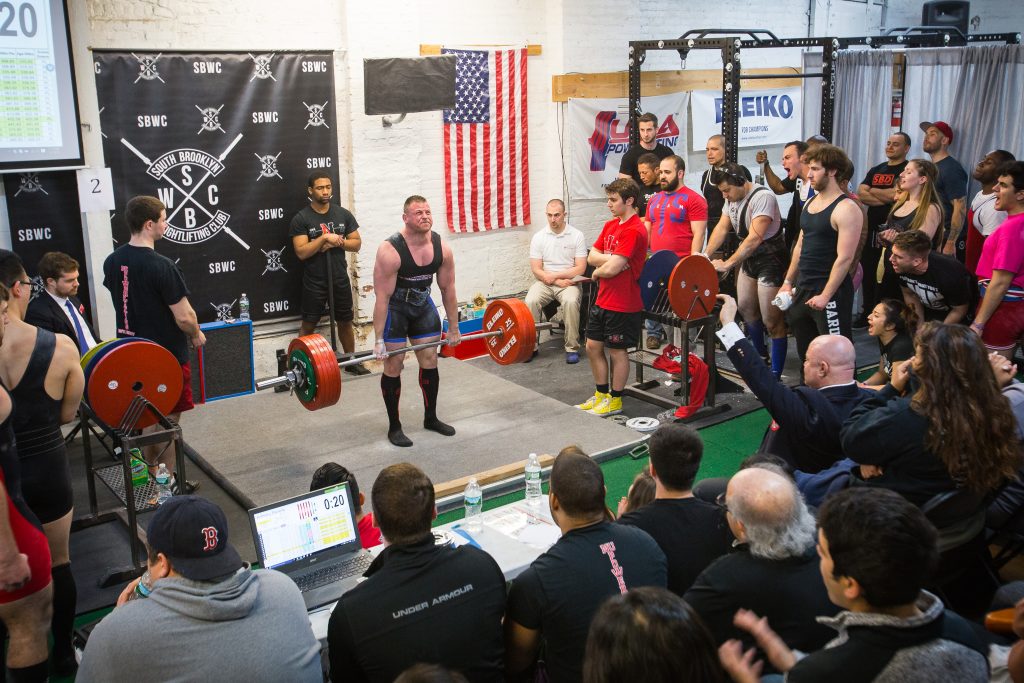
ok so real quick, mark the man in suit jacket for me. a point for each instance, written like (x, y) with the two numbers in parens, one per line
(805, 419)
(57, 308)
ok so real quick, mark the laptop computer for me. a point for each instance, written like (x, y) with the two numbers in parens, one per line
(313, 539)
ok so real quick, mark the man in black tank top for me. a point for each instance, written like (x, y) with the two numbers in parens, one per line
(30, 360)
(404, 313)
(818, 278)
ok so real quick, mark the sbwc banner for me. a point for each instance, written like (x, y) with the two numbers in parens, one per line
(44, 216)
(599, 133)
(766, 117)
(227, 142)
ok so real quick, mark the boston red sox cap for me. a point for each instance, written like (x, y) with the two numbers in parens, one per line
(193, 533)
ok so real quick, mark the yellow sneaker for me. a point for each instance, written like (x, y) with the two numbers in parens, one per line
(588, 405)
(610, 405)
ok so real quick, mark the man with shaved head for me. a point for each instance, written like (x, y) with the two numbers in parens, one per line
(805, 419)
(775, 568)
(716, 155)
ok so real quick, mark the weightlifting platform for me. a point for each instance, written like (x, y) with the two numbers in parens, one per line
(268, 445)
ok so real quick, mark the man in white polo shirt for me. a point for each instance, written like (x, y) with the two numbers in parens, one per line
(558, 253)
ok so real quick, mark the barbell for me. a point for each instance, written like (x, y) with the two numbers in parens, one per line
(314, 373)
(118, 370)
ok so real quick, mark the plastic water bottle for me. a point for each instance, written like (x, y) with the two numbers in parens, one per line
(143, 588)
(474, 501)
(163, 484)
(243, 307)
(533, 490)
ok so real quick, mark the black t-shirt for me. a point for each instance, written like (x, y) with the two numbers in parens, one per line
(559, 593)
(421, 603)
(713, 196)
(144, 285)
(943, 286)
(628, 165)
(899, 348)
(308, 222)
(883, 177)
(691, 532)
(790, 592)
(646, 192)
(952, 184)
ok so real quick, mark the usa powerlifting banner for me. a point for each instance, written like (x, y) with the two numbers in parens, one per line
(43, 212)
(599, 131)
(227, 141)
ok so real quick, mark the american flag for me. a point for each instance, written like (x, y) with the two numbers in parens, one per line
(486, 167)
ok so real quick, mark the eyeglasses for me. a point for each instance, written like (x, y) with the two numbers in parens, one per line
(27, 283)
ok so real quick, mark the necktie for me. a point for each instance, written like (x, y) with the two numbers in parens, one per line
(83, 347)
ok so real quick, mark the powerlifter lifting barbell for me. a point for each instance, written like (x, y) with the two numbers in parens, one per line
(119, 370)
(689, 286)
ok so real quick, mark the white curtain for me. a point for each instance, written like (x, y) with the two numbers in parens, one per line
(930, 92)
(863, 106)
(989, 103)
(812, 95)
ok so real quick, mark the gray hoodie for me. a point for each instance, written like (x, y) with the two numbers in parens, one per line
(252, 626)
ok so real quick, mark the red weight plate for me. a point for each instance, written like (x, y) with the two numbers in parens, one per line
(325, 369)
(139, 368)
(519, 335)
(102, 350)
(692, 287)
(329, 375)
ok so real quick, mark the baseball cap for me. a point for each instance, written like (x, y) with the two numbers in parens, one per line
(941, 125)
(193, 533)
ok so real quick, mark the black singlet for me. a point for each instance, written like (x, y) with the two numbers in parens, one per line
(819, 250)
(411, 275)
(36, 413)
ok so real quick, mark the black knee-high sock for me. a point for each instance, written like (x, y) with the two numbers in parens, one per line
(65, 595)
(429, 380)
(37, 673)
(391, 388)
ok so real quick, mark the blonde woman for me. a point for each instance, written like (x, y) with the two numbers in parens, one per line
(917, 207)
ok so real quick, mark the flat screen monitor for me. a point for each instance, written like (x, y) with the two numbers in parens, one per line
(39, 126)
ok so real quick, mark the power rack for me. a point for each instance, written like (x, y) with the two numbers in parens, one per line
(730, 42)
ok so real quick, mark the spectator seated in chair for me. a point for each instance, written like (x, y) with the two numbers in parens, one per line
(774, 572)
(877, 550)
(558, 253)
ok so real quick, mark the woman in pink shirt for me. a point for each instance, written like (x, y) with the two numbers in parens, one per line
(1000, 316)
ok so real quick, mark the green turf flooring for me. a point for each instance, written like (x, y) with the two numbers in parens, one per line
(725, 445)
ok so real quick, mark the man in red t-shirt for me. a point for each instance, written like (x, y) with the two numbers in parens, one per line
(618, 256)
(676, 219)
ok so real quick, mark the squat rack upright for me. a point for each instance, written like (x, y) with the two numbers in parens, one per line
(730, 41)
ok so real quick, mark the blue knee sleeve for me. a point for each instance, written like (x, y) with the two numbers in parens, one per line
(779, 347)
(755, 333)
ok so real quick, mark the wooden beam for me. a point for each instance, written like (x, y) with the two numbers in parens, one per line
(428, 50)
(616, 84)
(488, 477)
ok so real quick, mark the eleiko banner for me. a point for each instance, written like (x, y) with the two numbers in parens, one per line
(767, 117)
(599, 134)
(227, 142)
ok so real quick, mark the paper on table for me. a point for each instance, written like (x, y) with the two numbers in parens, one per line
(540, 535)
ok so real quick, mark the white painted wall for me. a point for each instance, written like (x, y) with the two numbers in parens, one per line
(381, 166)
